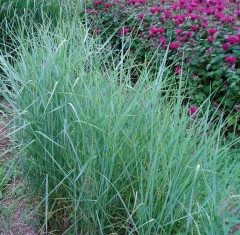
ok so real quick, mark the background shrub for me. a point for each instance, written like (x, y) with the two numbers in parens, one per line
(202, 38)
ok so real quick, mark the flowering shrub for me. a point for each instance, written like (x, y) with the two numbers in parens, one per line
(205, 33)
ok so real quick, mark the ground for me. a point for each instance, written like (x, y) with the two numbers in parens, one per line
(14, 209)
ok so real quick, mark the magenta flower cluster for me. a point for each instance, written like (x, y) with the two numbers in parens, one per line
(191, 19)
(205, 32)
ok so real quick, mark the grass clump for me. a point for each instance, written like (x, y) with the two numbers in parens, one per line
(105, 157)
(17, 15)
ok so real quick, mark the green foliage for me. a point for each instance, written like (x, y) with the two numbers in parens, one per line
(15, 13)
(29, 8)
(2, 181)
(6, 173)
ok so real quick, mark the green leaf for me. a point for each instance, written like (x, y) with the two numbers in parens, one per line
(232, 121)
(208, 66)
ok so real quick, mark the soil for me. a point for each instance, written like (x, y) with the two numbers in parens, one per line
(13, 221)
(13, 209)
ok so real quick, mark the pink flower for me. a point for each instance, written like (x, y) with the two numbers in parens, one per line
(219, 15)
(209, 11)
(97, 31)
(98, 3)
(209, 52)
(178, 70)
(212, 31)
(238, 13)
(211, 38)
(123, 31)
(180, 18)
(182, 2)
(193, 4)
(155, 31)
(188, 60)
(181, 39)
(228, 19)
(194, 27)
(107, 5)
(141, 16)
(232, 39)
(167, 14)
(190, 9)
(220, 7)
(174, 45)
(154, 10)
(132, 2)
(204, 25)
(95, 12)
(193, 16)
(177, 23)
(189, 34)
(178, 31)
(142, 35)
(192, 110)
(225, 46)
(163, 40)
(175, 6)
(230, 60)
(161, 19)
